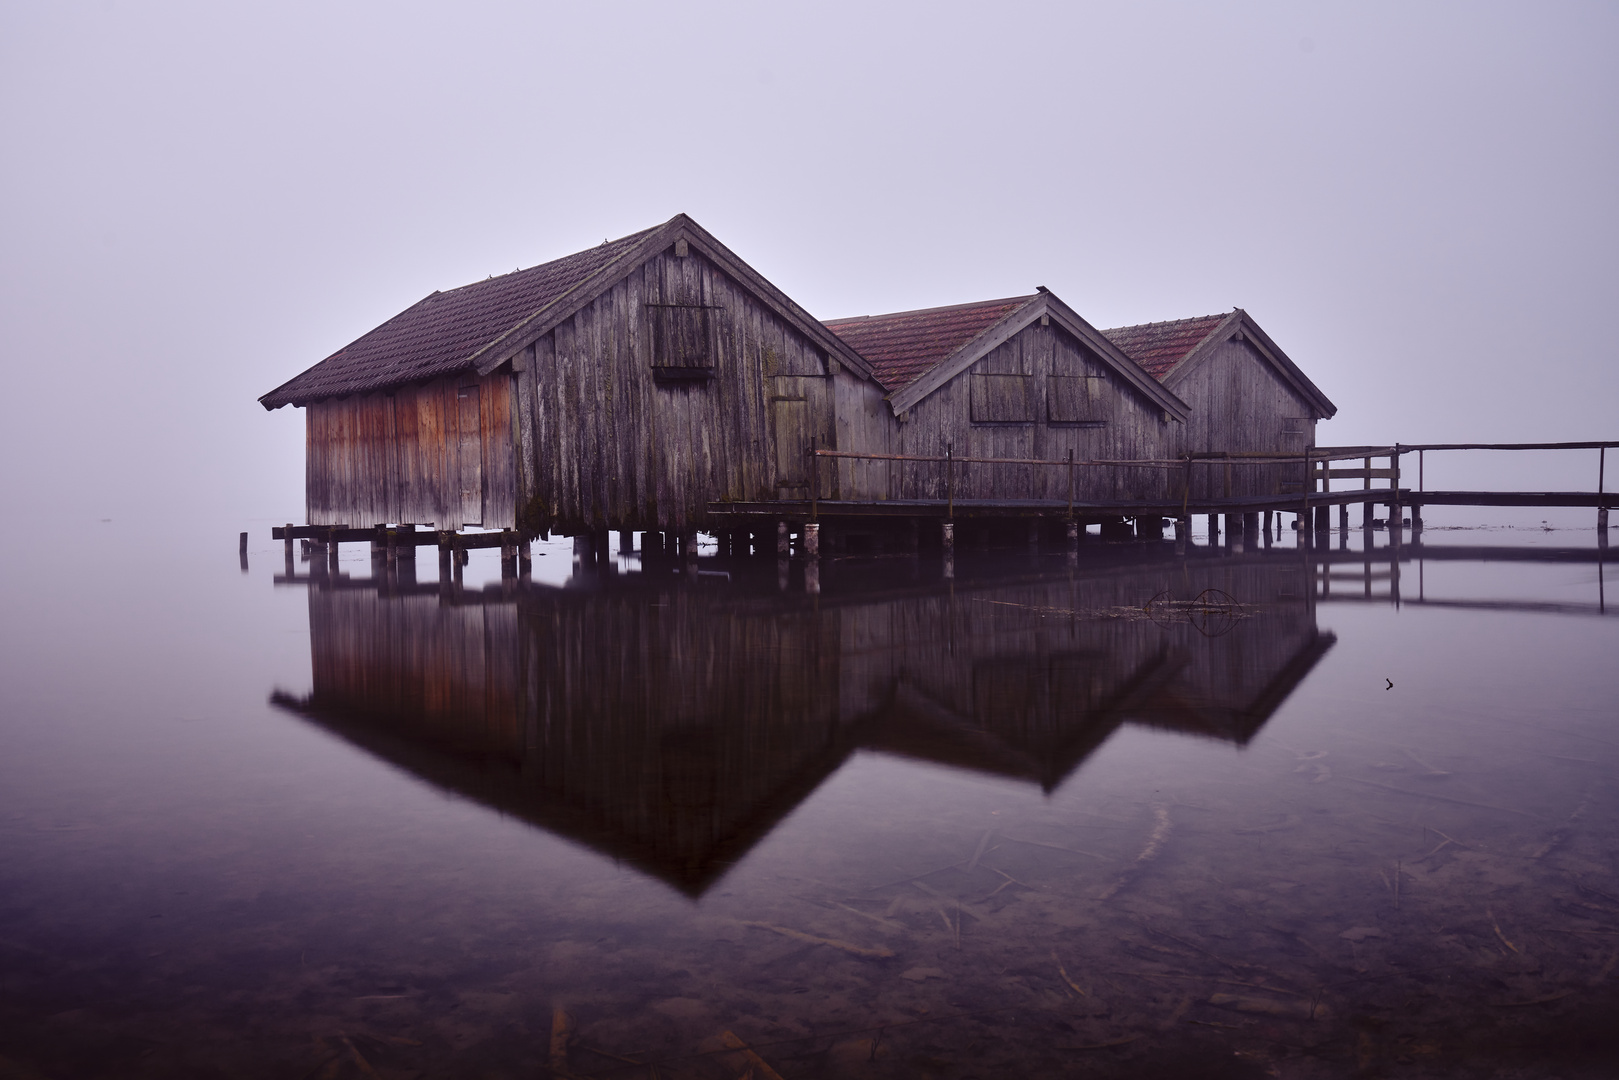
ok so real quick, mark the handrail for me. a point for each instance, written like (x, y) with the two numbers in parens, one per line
(1407, 447)
(1240, 457)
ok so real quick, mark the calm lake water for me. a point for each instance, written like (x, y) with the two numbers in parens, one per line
(1131, 814)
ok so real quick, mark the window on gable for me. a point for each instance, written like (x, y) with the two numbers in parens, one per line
(1002, 399)
(685, 340)
(1079, 400)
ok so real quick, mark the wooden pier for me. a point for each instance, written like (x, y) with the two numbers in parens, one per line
(1327, 477)
(1377, 468)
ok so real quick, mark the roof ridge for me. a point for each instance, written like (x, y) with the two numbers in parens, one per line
(933, 310)
(1166, 322)
(549, 262)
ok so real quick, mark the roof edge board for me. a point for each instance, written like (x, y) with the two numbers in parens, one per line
(1014, 322)
(1269, 351)
(969, 353)
(1118, 359)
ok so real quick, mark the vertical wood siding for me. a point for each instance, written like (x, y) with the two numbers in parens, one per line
(423, 454)
(1111, 420)
(610, 444)
(1240, 404)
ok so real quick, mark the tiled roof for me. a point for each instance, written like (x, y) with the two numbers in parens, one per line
(904, 345)
(1159, 346)
(440, 334)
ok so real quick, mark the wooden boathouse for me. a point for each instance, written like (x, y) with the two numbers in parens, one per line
(1244, 396)
(624, 387)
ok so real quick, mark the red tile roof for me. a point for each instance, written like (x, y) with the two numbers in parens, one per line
(439, 335)
(904, 345)
(1159, 346)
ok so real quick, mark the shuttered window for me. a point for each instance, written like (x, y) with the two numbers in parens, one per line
(1076, 399)
(685, 340)
(1002, 399)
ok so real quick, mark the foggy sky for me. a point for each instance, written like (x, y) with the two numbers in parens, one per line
(1417, 202)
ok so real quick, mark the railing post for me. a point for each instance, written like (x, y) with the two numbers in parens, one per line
(1304, 514)
(1396, 512)
(1366, 502)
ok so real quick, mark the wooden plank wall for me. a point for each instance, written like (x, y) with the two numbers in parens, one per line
(607, 444)
(397, 457)
(1240, 404)
(1042, 373)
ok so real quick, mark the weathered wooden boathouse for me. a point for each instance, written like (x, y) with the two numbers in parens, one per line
(624, 387)
(1244, 397)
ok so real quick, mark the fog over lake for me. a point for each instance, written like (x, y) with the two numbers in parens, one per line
(1317, 805)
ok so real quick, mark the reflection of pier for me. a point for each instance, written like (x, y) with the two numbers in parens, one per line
(672, 722)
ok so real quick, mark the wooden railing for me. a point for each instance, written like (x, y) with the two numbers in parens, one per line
(1315, 466)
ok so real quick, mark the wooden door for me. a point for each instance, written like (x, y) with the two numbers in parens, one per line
(469, 454)
(792, 442)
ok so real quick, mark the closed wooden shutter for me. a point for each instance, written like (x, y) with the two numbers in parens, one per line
(1002, 399)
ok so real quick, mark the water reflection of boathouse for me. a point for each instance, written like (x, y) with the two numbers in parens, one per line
(673, 724)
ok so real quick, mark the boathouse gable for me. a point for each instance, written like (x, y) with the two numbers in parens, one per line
(679, 386)
(1246, 397)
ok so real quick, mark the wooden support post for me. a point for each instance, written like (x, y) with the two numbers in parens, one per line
(1323, 518)
(288, 535)
(241, 544)
(508, 553)
(525, 556)
(815, 478)
(1071, 529)
(1366, 504)
(1214, 529)
(1233, 526)
(1343, 515)
(812, 576)
(947, 537)
(626, 541)
(812, 540)
(949, 482)
(1396, 511)
(783, 541)
(1070, 483)
(688, 544)
(446, 554)
(1309, 483)
(1602, 478)
(1267, 524)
